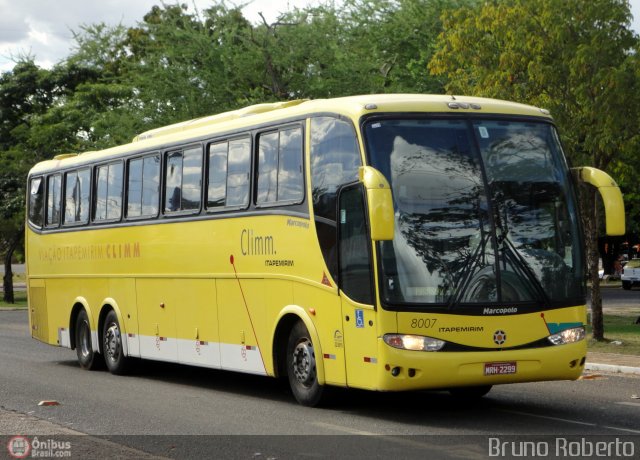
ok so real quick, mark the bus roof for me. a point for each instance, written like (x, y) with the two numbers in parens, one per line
(352, 106)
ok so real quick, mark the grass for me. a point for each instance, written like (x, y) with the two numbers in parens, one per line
(621, 333)
(20, 298)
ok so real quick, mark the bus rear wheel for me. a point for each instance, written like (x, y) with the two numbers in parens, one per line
(301, 367)
(87, 357)
(114, 357)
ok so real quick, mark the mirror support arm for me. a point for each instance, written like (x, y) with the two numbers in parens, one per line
(611, 197)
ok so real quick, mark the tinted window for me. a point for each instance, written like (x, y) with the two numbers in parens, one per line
(268, 168)
(143, 187)
(183, 180)
(134, 189)
(290, 180)
(173, 187)
(335, 159)
(76, 210)
(36, 201)
(151, 185)
(217, 189)
(355, 260)
(54, 189)
(108, 203)
(191, 178)
(239, 168)
(280, 167)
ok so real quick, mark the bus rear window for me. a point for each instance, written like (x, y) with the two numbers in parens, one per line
(36, 201)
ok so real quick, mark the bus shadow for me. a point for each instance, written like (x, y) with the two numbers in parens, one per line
(200, 377)
(433, 408)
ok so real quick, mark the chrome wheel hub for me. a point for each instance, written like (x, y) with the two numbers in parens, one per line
(112, 344)
(304, 363)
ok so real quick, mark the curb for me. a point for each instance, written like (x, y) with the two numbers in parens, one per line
(613, 368)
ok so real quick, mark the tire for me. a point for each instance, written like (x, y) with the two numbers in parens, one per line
(301, 367)
(88, 358)
(470, 392)
(626, 285)
(114, 357)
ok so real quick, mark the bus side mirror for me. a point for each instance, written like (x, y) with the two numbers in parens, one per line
(611, 197)
(379, 203)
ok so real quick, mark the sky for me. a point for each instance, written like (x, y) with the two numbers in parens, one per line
(44, 29)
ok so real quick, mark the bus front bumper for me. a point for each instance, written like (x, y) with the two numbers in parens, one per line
(412, 370)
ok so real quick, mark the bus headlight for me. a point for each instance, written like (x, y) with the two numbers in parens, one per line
(575, 334)
(413, 342)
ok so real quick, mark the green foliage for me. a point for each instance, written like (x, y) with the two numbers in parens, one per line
(575, 58)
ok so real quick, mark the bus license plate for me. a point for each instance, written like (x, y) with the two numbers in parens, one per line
(500, 368)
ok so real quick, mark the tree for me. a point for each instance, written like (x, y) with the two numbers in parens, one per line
(575, 58)
(35, 125)
(25, 93)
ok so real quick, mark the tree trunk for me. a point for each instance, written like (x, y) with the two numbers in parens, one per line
(7, 281)
(590, 222)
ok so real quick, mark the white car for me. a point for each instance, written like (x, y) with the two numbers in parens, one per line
(631, 274)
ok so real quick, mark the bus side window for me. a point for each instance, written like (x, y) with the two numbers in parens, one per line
(76, 198)
(173, 182)
(290, 178)
(54, 189)
(268, 168)
(217, 183)
(151, 185)
(108, 201)
(280, 177)
(191, 179)
(335, 159)
(36, 202)
(143, 187)
(239, 169)
(183, 180)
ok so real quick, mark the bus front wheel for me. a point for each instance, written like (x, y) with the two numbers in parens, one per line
(87, 357)
(112, 345)
(301, 367)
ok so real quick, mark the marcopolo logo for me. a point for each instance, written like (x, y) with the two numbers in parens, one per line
(499, 311)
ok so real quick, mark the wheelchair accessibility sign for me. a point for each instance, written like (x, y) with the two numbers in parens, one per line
(359, 318)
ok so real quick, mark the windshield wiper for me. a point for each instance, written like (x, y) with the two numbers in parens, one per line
(467, 274)
(522, 268)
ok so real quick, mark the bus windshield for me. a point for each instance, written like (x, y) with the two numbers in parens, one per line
(484, 213)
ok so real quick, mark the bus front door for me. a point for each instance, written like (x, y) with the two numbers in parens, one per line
(356, 289)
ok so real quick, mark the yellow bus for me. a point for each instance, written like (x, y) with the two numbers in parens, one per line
(382, 242)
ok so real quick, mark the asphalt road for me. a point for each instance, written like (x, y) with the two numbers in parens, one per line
(615, 297)
(231, 409)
